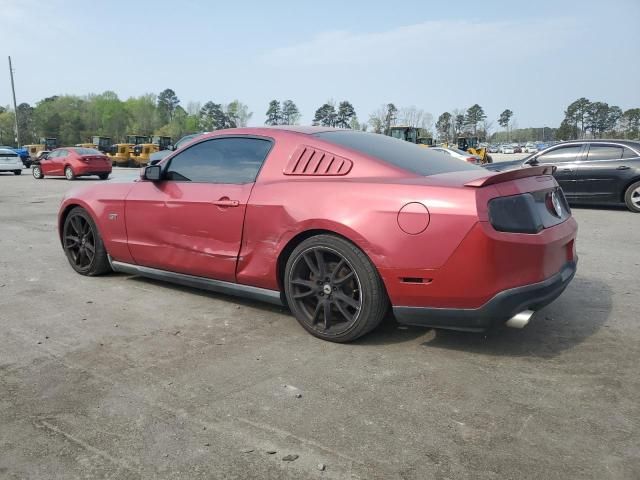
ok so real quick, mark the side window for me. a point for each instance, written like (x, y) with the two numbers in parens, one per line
(604, 152)
(628, 153)
(561, 154)
(50, 156)
(62, 153)
(222, 160)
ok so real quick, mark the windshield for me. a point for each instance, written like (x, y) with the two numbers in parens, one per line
(186, 139)
(405, 155)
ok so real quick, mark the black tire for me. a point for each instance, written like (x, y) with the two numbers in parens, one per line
(17, 172)
(82, 244)
(36, 171)
(103, 176)
(489, 159)
(632, 197)
(68, 173)
(330, 277)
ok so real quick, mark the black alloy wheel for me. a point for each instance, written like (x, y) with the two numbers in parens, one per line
(333, 289)
(82, 244)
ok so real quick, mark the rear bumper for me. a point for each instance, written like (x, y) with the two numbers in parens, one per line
(498, 309)
(10, 167)
(93, 170)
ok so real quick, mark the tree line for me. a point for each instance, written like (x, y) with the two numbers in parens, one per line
(74, 119)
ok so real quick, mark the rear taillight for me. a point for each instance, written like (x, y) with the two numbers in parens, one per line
(515, 214)
(471, 159)
(529, 212)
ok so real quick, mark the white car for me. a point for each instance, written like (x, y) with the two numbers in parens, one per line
(459, 154)
(10, 161)
(507, 149)
(531, 148)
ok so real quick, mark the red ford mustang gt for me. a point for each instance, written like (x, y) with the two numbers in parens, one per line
(336, 224)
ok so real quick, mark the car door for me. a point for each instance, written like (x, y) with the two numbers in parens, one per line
(191, 221)
(599, 175)
(565, 159)
(49, 164)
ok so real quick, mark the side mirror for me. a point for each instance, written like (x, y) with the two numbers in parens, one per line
(152, 173)
(171, 147)
(532, 161)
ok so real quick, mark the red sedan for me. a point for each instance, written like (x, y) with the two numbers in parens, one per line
(72, 162)
(336, 224)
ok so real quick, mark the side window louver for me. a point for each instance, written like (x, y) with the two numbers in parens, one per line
(314, 162)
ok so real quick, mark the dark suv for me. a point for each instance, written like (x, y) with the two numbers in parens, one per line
(590, 171)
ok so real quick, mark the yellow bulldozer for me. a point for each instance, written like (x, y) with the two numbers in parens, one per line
(34, 149)
(141, 152)
(472, 145)
(419, 136)
(121, 154)
(99, 143)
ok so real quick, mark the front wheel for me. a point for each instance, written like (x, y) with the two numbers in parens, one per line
(17, 172)
(83, 245)
(37, 172)
(632, 197)
(333, 289)
(68, 173)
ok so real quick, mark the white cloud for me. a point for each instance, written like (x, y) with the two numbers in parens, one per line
(457, 41)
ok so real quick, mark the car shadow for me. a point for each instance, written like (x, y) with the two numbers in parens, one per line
(576, 315)
(245, 302)
(78, 179)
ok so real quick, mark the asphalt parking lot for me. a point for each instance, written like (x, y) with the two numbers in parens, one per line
(121, 377)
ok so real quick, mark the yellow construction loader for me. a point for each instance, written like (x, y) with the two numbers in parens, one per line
(419, 136)
(121, 153)
(141, 152)
(472, 146)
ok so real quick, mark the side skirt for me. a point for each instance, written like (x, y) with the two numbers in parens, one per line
(237, 289)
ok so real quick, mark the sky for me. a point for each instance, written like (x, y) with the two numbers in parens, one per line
(532, 57)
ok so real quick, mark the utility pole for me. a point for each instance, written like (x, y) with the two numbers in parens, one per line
(15, 105)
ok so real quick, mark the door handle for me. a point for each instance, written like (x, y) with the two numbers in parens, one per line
(623, 167)
(226, 203)
(566, 169)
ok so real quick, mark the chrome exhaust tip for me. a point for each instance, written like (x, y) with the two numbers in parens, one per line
(520, 320)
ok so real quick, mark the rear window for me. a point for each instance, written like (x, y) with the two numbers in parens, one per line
(402, 154)
(628, 153)
(87, 151)
(8, 153)
(604, 152)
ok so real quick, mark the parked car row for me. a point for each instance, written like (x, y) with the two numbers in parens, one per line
(590, 171)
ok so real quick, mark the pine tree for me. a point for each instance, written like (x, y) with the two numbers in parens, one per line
(345, 113)
(274, 113)
(290, 113)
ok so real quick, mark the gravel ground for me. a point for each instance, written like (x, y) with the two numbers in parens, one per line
(121, 377)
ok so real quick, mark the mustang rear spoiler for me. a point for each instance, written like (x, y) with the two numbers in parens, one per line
(511, 175)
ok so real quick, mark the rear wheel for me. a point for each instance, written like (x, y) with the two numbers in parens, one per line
(83, 245)
(68, 173)
(632, 197)
(103, 176)
(37, 172)
(17, 172)
(333, 289)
